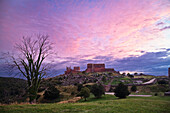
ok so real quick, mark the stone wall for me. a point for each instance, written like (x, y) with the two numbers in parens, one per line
(76, 68)
(69, 70)
(95, 68)
(90, 68)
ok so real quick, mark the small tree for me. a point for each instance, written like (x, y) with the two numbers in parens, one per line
(133, 88)
(51, 93)
(124, 74)
(129, 75)
(121, 91)
(136, 73)
(97, 90)
(85, 92)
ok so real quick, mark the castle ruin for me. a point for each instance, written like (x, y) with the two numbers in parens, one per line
(90, 68)
(98, 68)
(75, 70)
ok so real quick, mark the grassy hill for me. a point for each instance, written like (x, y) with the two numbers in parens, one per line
(106, 104)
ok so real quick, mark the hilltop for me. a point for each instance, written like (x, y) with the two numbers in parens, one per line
(13, 89)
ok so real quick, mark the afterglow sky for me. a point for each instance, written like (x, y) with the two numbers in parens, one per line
(128, 35)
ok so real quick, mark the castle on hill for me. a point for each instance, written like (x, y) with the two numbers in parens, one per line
(90, 68)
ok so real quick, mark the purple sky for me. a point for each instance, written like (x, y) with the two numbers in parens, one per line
(128, 35)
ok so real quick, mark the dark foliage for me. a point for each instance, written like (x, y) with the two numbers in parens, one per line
(129, 75)
(133, 88)
(121, 91)
(159, 88)
(104, 78)
(124, 74)
(156, 94)
(40, 89)
(85, 92)
(111, 89)
(51, 93)
(79, 86)
(135, 73)
(84, 72)
(12, 89)
(97, 90)
(162, 82)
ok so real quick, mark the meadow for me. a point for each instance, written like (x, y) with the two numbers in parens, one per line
(106, 104)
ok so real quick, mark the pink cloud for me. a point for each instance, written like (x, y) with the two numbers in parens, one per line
(85, 28)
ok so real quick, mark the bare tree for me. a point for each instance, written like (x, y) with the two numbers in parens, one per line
(30, 61)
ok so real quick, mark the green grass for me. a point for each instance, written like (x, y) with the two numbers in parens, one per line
(147, 77)
(106, 104)
(116, 81)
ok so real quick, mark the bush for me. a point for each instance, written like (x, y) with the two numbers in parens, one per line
(121, 91)
(133, 88)
(51, 93)
(104, 79)
(40, 89)
(85, 92)
(84, 72)
(97, 90)
(79, 86)
(156, 94)
(162, 82)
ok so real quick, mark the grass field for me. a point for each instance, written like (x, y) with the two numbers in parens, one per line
(106, 104)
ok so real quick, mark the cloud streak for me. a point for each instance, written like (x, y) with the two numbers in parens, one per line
(87, 31)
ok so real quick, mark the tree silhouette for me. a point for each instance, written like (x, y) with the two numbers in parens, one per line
(31, 53)
(121, 91)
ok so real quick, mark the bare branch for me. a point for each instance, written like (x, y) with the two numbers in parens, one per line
(32, 53)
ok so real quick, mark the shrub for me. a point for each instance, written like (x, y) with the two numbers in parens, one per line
(79, 86)
(156, 94)
(111, 89)
(84, 72)
(85, 92)
(104, 79)
(73, 93)
(121, 91)
(97, 90)
(129, 75)
(133, 88)
(40, 89)
(51, 93)
(162, 82)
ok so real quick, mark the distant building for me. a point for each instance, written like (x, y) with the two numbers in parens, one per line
(95, 68)
(98, 68)
(75, 70)
(90, 68)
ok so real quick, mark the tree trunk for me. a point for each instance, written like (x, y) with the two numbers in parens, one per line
(32, 94)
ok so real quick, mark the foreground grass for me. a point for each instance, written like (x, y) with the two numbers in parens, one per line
(106, 104)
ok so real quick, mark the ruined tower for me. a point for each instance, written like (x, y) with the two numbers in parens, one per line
(95, 68)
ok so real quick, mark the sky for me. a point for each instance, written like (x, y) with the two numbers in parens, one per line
(127, 35)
